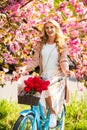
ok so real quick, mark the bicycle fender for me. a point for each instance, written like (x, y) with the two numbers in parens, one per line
(26, 112)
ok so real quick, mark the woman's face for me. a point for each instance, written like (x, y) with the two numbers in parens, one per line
(50, 29)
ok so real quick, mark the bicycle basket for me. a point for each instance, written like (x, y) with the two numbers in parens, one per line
(28, 99)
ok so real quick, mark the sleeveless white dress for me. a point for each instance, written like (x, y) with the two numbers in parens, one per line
(52, 72)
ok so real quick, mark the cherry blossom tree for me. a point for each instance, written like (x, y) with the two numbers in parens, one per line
(21, 23)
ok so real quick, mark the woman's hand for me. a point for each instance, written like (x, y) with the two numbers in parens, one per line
(22, 70)
(69, 73)
(72, 74)
(15, 76)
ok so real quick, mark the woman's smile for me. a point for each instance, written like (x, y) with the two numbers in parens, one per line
(50, 29)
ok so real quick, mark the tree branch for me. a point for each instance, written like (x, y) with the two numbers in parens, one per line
(26, 4)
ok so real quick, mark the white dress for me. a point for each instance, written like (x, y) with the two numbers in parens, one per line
(52, 72)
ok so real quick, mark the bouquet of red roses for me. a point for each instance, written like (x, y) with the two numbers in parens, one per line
(35, 84)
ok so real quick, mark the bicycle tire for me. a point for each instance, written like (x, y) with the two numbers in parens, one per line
(25, 123)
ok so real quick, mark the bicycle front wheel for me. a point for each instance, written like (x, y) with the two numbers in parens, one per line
(26, 123)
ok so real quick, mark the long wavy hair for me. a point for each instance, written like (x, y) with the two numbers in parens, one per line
(59, 36)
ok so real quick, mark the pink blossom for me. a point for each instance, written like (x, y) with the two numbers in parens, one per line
(73, 2)
(13, 9)
(76, 50)
(64, 28)
(58, 16)
(85, 16)
(14, 47)
(50, 4)
(11, 60)
(72, 23)
(43, 8)
(22, 1)
(83, 25)
(80, 9)
(75, 33)
(63, 5)
(6, 55)
(68, 13)
(85, 62)
(85, 1)
(85, 29)
(12, 1)
(84, 43)
(74, 42)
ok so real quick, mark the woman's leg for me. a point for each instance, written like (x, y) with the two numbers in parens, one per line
(49, 104)
(53, 120)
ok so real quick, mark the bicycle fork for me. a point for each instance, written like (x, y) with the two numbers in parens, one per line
(36, 119)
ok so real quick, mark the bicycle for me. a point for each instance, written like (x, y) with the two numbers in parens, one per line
(35, 119)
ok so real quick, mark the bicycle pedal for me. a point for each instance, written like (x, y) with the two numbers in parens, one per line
(58, 123)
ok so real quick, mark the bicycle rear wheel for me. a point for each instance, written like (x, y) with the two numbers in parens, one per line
(61, 121)
(26, 123)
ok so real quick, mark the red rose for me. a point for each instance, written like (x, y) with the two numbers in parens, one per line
(41, 85)
(36, 84)
(45, 85)
(27, 89)
(29, 82)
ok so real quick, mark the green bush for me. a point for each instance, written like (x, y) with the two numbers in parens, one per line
(3, 109)
(76, 114)
(9, 111)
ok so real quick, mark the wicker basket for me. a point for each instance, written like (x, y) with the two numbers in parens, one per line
(28, 99)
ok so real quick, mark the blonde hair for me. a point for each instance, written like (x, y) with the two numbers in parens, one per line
(59, 37)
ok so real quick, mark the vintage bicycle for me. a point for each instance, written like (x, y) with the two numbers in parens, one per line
(35, 118)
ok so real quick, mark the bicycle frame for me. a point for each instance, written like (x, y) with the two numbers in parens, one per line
(37, 111)
(40, 118)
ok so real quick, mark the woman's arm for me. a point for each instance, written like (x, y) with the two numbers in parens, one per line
(64, 64)
(33, 63)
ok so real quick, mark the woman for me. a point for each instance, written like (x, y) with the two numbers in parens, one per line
(51, 56)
